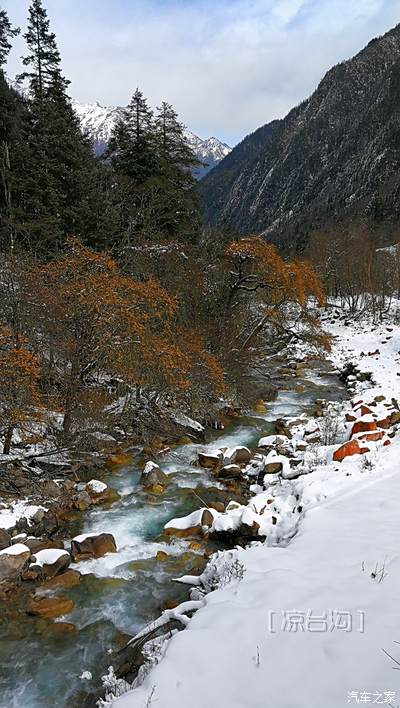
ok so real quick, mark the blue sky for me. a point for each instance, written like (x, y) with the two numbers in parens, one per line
(227, 66)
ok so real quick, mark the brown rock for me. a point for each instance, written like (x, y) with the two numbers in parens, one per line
(357, 403)
(350, 418)
(229, 471)
(153, 479)
(373, 437)
(241, 456)
(12, 563)
(364, 410)
(49, 570)
(107, 496)
(349, 448)
(82, 501)
(195, 531)
(273, 468)
(68, 485)
(123, 458)
(363, 426)
(39, 544)
(252, 530)
(92, 546)
(384, 422)
(50, 606)
(218, 506)
(161, 556)
(65, 580)
(51, 489)
(5, 539)
(210, 461)
(207, 518)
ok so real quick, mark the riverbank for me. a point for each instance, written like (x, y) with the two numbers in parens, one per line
(336, 581)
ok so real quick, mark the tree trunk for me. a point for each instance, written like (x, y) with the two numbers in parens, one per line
(8, 440)
(70, 396)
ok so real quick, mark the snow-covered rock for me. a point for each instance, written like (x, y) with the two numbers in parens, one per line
(12, 560)
(193, 524)
(49, 562)
(237, 455)
(96, 487)
(92, 545)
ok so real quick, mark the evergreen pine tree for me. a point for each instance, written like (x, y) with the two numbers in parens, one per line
(44, 59)
(175, 151)
(133, 143)
(180, 214)
(9, 124)
(6, 32)
(62, 183)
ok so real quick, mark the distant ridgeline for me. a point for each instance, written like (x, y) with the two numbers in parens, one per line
(335, 156)
(98, 122)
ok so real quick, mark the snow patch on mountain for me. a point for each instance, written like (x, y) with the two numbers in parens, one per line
(98, 122)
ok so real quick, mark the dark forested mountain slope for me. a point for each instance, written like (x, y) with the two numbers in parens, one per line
(336, 154)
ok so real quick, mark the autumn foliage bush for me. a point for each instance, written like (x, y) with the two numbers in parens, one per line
(102, 345)
(270, 306)
(20, 399)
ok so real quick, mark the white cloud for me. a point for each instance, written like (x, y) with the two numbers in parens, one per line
(228, 66)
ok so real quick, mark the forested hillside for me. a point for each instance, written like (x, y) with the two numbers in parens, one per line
(335, 156)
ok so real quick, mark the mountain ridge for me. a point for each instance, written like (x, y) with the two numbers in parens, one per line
(336, 153)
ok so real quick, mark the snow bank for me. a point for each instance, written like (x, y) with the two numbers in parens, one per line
(17, 510)
(344, 616)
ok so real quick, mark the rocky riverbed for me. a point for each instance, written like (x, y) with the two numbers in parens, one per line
(73, 604)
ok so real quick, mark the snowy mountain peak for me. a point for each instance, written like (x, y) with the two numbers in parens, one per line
(98, 121)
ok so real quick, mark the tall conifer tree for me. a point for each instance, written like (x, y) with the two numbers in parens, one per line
(133, 143)
(62, 184)
(9, 123)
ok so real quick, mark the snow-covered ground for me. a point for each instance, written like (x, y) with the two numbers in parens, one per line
(310, 621)
(15, 510)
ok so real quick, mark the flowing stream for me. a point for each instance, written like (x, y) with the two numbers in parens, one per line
(41, 662)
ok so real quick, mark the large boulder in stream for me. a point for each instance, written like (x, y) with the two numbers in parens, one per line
(13, 560)
(101, 493)
(238, 455)
(153, 479)
(195, 524)
(230, 471)
(65, 580)
(50, 606)
(212, 459)
(92, 545)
